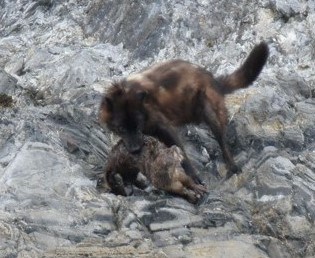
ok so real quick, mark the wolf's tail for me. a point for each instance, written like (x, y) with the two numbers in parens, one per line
(248, 72)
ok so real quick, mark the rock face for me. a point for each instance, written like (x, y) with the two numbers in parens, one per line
(56, 59)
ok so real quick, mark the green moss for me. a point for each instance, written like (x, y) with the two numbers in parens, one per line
(6, 100)
(209, 43)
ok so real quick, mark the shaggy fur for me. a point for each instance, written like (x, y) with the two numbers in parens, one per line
(160, 164)
(175, 93)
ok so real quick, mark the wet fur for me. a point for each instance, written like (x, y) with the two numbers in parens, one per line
(175, 93)
(160, 164)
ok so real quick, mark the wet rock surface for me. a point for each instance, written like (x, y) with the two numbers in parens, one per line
(56, 59)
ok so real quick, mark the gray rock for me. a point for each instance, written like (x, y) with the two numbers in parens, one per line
(8, 83)
(274, 179)
(290, 8)
(56, 60)
(220, 249)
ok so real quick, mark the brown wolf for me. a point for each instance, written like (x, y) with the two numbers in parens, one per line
(160, 164)
(175, 93)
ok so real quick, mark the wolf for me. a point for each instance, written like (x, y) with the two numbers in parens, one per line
(174, 93)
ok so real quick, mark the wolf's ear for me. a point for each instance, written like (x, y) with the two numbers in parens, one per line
(107, 103)
(106, 110)
(142, 95)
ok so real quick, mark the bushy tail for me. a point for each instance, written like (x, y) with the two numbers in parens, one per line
(248, 72)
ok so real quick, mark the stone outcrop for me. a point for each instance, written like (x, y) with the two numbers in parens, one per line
(56, 59)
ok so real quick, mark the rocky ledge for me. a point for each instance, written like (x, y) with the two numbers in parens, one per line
(56, 59)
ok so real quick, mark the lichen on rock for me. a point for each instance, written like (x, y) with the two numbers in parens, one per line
(57, 59)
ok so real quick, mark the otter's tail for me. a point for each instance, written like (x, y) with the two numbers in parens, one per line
(248, 72)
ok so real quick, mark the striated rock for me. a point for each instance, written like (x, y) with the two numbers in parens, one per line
(56, 60)
(273, 179)
(7, 83)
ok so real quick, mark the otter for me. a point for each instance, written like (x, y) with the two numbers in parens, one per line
(161, 165)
